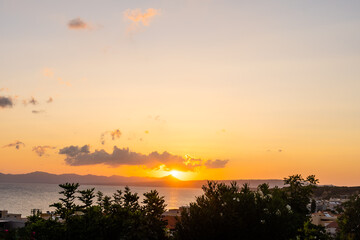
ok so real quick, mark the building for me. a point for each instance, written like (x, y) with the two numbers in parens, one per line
(11, 220)
(323, 218)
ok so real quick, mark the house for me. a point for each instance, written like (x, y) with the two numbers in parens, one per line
(332, 228)
(323, 218)
(11, 220)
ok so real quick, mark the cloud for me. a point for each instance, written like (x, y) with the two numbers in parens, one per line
(6, 102)
(17, 144)
(79, 156)
(4, 89)
(38, 111)
(115, 134)
(73, 151)
(278, 150)
(48, 72)
(78, 24)
(41, 150)
(61, 81)
(138, 19)
(32, 101)
(216, 163)
(50, 100)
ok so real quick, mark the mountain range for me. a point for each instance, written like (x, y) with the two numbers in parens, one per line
(168, 181)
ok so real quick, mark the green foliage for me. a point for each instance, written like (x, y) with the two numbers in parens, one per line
(66, 206)
(86, 197)
(313, 206)
(312, 232)
(119, 218)
(349, 221)
(222, 212)
(230, 212)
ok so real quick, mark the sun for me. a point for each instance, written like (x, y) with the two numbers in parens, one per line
(176, 173)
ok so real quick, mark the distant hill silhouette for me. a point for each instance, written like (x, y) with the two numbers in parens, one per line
(168, 181)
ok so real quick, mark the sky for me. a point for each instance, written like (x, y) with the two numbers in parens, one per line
(202, 89)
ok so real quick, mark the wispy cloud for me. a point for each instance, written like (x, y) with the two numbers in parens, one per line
(4, 89)
(138, 19)
(41, 150)
(17, 144)
(50, 100)
(6, 102)
(78, 24)
(115, 134)
(61, 81)
(32, 101)
(78, 156)
(38, 111)
(48, 72)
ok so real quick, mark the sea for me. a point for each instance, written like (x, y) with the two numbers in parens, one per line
(22, 197)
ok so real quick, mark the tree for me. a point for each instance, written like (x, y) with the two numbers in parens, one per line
(130, 200)
(229, 212)
(313, 206)
(154, 206)
(349, 221)
(299, 191)
(86, 197)
(312, 232)
(66, 206)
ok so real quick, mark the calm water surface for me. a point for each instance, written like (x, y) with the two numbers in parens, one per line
(22, 197)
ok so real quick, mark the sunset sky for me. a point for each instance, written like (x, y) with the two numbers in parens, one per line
(213, 89)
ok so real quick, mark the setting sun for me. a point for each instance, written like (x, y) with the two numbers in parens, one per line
(176, 173)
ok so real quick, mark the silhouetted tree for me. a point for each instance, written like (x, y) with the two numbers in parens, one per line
(86, 197)
(66, 206)
(349, 221)
(313, 206)
(227, 212)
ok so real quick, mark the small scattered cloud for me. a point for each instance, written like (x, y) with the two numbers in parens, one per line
(4, 89)
(278, 150)
(79, 156)
(38, 111)
(61, 81)
(17, 144)
(50, 100)
(115, 134)
(32, 101)
(6, 102)
(48, 72)
(78, 24)
(139, 19)
(41, 150)
(157, 118)
(216, 163)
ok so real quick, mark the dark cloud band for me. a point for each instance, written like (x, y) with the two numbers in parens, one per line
(79, 156)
